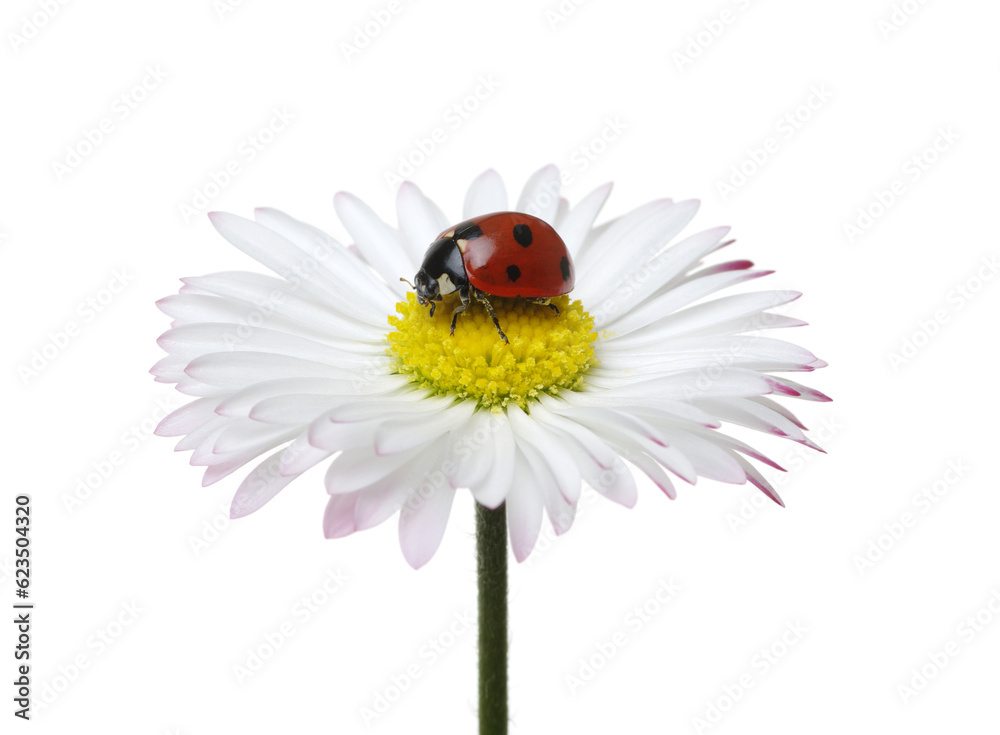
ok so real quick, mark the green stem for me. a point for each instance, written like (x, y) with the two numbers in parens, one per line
(491, 551)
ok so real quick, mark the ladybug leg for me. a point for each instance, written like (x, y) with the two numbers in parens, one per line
(463, 293)
(544, 302)
(489, 310)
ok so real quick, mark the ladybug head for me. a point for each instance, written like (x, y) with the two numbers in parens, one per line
(426, 287)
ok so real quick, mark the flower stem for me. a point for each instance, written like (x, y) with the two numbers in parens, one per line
(491, 548)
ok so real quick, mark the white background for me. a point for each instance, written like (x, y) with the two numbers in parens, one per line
(893, 86)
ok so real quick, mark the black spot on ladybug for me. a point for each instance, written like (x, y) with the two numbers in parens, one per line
(564, 267)
(468, 231)
(513, 272)
(522, 233)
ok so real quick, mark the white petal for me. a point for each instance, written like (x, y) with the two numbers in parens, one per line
(629, 443)
(648, 466)
(383, 498)
(342, 312)
(600, 452)
(645, 279)
(540, 196)
(646, 405)
(338, 519)
(204, 433)
(293, 409)
(241, 403)
(653, 310)
(755, 416)
(379, 243)
(603, 272)
(280, 255)
(486, 194)
(561, 211)
(613, 420)
(300, 456)
(471, 450)
(222, 464)
(187, 418)
(601, 241)
(398, 403)
(709, 460)
(704, 357)
(558, 461)
(422, 521)
(797, 390)
(358, 468)
(337, 260)
(617, 484)
(169, 369)
(244, 434)
(237, 370)
(492, 491)
(191, 387)
(689, 386)
(186, 308)
(335, 437)
(700, 316)
(420, 221)
(757, 479)
(574, 228)
(194, 340)
(259, 487)
(560, 512)
(401, 434)
(524, 509)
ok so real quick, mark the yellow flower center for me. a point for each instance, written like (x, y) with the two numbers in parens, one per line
(547, 351)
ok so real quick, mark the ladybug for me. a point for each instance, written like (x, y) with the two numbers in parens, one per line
(506, 254)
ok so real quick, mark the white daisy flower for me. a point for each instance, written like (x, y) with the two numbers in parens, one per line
(334, 360)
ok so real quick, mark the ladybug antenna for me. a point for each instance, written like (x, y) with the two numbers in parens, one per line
(408, 283)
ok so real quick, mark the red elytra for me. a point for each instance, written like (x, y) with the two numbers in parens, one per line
(514, 255)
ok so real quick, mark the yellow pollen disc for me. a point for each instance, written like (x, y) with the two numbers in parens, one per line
(547, 351)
